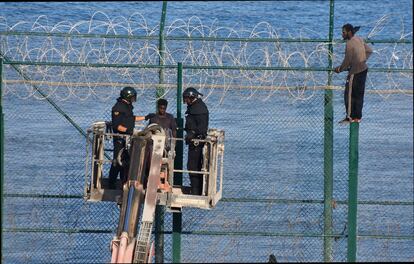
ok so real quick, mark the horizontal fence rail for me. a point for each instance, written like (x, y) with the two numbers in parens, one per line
(186, 38)
(280, 203)
(200, 67)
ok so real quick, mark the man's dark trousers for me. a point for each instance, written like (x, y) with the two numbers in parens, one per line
(194, 163)
(116, 169)
(356, 98)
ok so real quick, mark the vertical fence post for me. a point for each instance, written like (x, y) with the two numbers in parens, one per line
(1, 149)
(159, 211)
(178, 164)
(328, 149)
(353, 191)
(161, 49)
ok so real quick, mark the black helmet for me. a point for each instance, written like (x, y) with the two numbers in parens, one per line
(128, 93)
(191, 92)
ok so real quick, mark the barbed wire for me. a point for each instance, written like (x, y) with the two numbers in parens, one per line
(64, 83)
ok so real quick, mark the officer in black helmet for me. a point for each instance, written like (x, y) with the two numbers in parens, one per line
(196, 126)
(123, 122)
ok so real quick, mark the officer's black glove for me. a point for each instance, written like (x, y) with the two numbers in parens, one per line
(149, 116)
(189, 136)
(130, 131)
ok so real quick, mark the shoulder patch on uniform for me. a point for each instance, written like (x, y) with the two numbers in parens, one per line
(116, 113)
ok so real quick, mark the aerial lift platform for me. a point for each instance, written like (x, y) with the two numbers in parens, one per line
(150, 182)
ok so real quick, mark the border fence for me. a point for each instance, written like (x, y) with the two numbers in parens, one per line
(296, 184)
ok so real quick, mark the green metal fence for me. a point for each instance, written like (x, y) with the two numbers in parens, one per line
(294, 178)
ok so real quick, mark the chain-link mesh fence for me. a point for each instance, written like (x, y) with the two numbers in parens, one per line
(274, 119)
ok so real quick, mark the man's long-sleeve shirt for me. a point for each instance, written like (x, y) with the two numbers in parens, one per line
(166, 121)
(357, 53)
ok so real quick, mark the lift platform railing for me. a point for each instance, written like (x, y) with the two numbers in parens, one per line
(174, 197)
(150, 182)
(211, 171)
(99, 137)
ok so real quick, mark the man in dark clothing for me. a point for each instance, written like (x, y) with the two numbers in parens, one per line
(196, 126)
(123, 122)
(357, 53)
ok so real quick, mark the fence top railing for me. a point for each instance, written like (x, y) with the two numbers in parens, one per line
(193, 38)
(199, 67)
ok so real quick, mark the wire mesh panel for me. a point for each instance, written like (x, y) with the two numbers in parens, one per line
(268, 96)
(43, 201)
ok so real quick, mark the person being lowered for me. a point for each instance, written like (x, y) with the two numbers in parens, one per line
(168, 123)
(163, 118)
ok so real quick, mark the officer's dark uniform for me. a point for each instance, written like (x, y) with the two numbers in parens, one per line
(196, 126)
(122, 114)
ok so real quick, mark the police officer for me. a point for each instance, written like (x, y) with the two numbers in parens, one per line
(123, 122)
(196, 126)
